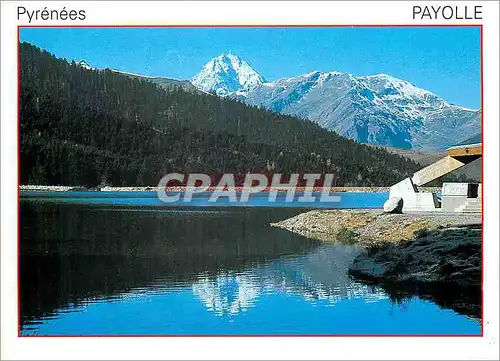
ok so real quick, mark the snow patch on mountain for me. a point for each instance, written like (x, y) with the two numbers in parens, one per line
(376, 109)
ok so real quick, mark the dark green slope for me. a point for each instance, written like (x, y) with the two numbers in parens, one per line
(84, 127)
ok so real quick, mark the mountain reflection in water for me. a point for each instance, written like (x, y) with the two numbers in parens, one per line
(318, 275)
(90, 270)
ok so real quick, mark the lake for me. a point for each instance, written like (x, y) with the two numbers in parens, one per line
(98, 268)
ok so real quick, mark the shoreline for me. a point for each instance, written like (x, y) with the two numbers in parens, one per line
(434, 256)
(367, 227)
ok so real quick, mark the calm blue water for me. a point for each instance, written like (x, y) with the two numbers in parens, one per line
(96, 269)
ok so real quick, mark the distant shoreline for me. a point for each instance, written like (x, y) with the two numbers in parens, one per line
(45, 188)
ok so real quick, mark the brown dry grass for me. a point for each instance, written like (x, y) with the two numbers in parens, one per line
(370, 226)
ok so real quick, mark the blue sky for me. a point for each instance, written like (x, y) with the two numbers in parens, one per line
(445, 61)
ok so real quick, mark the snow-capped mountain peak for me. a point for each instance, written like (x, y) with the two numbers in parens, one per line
(376, 109)
(227, 73)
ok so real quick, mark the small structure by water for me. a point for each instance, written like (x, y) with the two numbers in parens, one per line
(455, 197)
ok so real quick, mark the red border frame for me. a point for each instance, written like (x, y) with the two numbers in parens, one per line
(19, 27)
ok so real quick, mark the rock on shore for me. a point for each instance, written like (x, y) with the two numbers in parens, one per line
(435, 256)
(443, 265)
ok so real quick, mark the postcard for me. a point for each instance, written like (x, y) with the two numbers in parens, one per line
(199, 179)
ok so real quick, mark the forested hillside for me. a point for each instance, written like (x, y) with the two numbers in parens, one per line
(88, 127)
